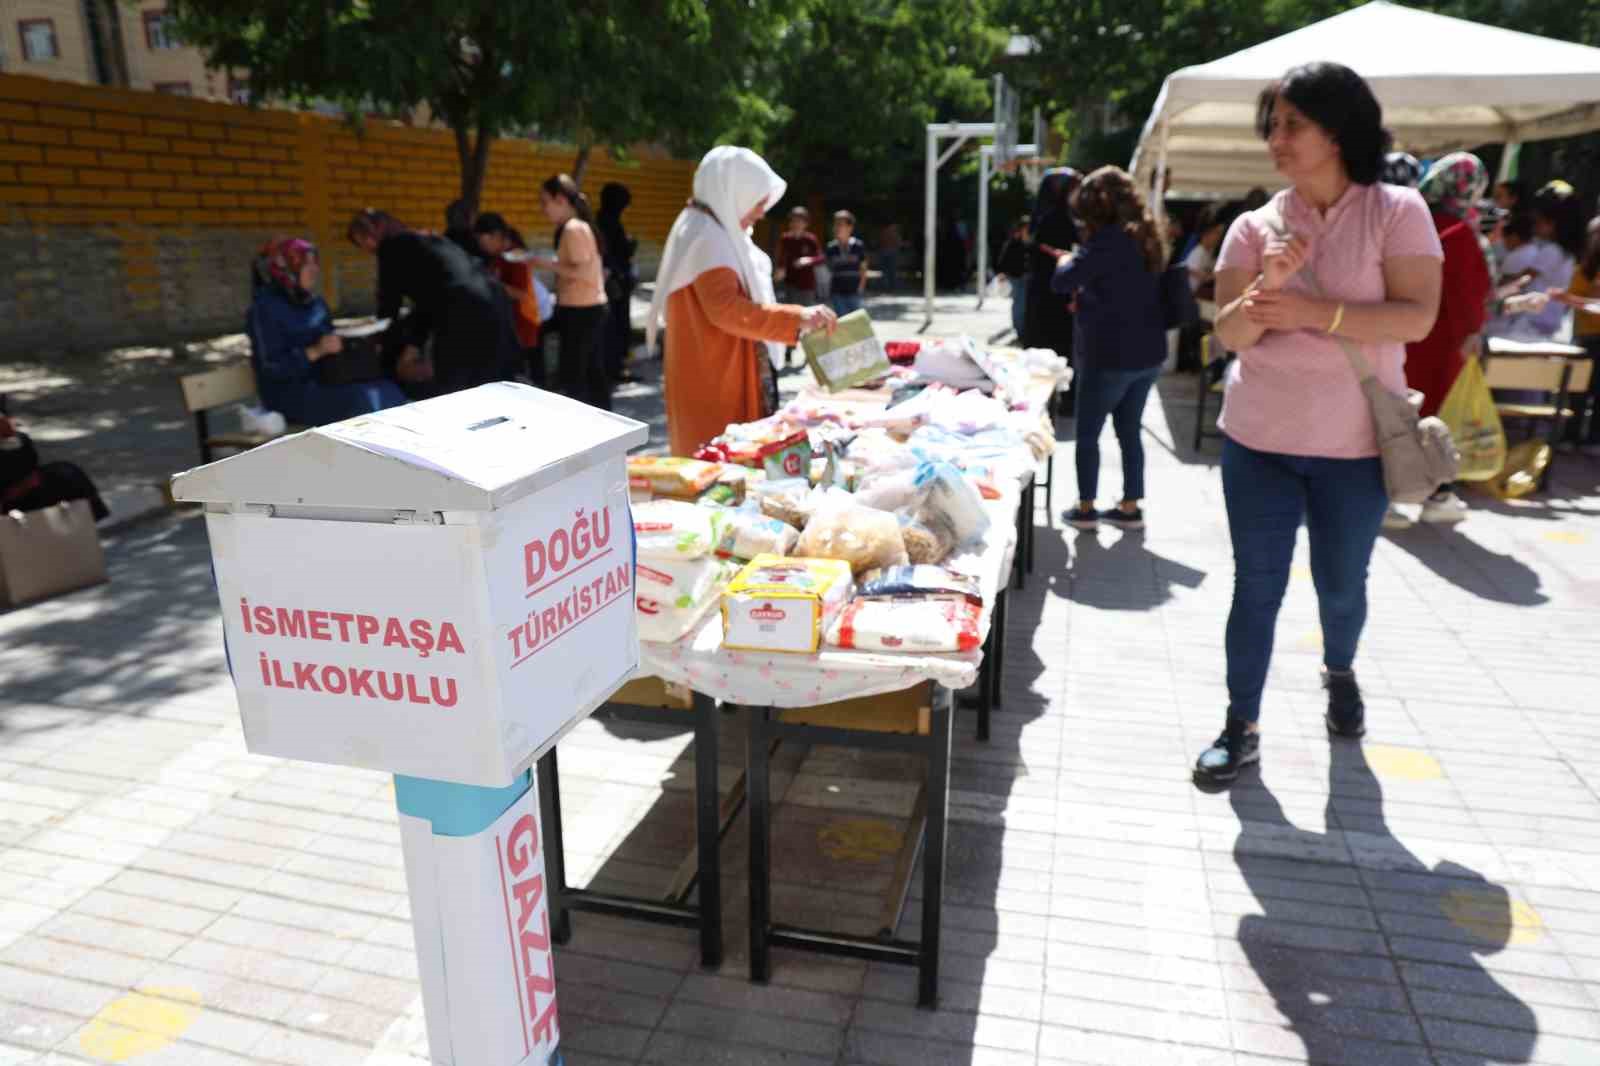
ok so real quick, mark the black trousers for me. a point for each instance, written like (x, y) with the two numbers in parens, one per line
(583, 367)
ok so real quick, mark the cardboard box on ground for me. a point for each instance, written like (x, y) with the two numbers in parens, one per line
(47, 552)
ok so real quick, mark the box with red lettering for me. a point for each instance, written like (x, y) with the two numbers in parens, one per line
(441, 589)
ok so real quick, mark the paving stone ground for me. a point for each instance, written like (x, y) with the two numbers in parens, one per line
(1431, 896)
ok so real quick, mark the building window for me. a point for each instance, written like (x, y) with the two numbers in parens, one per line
(174, 88)
(160, 33)
(38, 40)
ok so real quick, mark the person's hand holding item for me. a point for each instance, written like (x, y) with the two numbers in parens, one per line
(1527, 304)
(329, 344)
(1282, 259)
(411, 367)
(539, 262)
(818, 316)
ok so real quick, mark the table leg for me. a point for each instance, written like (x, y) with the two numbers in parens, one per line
(1018, 559)
(997, 649)
(756, 774)
(986, 672)
(1033, 523)
(555, 853)
(708, 831)
(933, 852)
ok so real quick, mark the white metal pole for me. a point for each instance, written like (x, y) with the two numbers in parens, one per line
(930, 221)
(985, 160)
(1508, 160)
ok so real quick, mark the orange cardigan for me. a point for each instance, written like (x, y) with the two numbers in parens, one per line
(712, 377)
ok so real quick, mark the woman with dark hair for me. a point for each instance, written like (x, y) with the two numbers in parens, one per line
(1054, 233)
(1338, 262)
(494, 237)
(1114, 277)
(291, 331)
(455, 306)
(580, 291)
(616, 255)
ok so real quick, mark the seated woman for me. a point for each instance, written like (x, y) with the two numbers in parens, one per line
(290, 329)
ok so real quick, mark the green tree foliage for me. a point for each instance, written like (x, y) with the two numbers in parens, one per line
(613, 71)
(854, 83)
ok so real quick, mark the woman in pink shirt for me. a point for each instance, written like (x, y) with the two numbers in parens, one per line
(1338, 257)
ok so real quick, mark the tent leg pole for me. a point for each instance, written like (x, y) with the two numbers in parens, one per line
(1508, 161)
(930, 221)
(983, 224)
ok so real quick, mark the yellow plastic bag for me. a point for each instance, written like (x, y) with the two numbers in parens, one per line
(1525, 465)
(1470, 413)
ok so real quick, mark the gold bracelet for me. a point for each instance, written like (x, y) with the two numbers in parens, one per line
(1338, 319)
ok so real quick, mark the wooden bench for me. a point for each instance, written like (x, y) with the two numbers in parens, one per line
(210, 389)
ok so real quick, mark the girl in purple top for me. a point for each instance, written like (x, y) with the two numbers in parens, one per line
(1357, 261)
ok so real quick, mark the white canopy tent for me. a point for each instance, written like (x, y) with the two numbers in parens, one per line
(1444, 84)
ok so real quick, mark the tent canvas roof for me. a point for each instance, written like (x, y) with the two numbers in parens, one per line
(1444, 83)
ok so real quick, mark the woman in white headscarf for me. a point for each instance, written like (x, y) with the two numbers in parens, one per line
(726, 332)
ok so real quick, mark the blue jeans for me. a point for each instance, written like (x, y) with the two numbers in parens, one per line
(845, 302)
(1342, 502)
(1019, 306)
(1121, 395)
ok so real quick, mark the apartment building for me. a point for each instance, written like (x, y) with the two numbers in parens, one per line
(108, 42)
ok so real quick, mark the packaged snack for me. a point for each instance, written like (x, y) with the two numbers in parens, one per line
(674, 529)
(776, 446)
(749, 533)
(952, 503)
(902, 353)
(908, 624)
(919, 581)
(864, 537)
(777, 604)
(786, 500)
(678, 479)
(925, 544)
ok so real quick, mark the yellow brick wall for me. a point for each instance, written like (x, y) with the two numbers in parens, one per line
(138, 213)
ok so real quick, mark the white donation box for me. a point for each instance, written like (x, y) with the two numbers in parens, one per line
(439, 590)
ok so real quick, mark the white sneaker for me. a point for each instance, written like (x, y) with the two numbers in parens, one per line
(1394, 518)
(1445, 507)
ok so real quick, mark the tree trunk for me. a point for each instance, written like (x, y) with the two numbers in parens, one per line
(580, 164)
(473, 154)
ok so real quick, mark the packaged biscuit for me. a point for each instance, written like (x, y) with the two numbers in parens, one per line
(784, 605)
(674, 478)
(750, 533)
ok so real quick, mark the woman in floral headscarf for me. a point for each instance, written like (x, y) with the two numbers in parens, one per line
(290, 330)
(1452, 188)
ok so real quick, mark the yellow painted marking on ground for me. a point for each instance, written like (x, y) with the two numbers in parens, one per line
(140, 1023)
(1492, 917)
(864, 840)
(1300, 573)
(1402, 764)
(1311, 641)
(1566, 536)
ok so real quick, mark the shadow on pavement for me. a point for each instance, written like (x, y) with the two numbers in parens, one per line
(1177, 395)
(1121, 574)
(1462, 561)
(148, 635)
(1330, 983)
